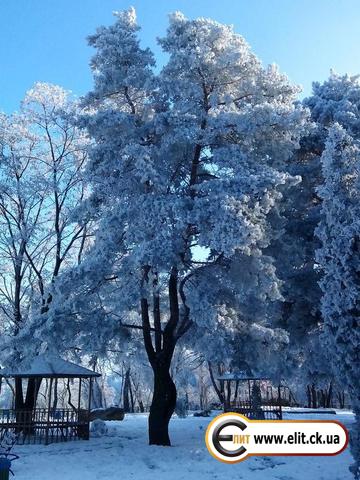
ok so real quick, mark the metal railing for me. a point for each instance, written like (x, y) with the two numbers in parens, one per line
(42, 425)
(269, 410)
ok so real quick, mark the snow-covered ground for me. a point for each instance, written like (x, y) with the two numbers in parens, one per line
(124, 453)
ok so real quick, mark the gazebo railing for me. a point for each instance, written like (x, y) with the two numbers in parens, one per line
(268, 410)
(42, 425)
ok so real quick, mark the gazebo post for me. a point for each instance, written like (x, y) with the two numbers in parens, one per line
(87, 414)
(228, 393)
(90, 393)
(37, 388)
(55, 393)
(48, 413)
(36, 381)
(279, 394)
(236, 392)
(79, 399)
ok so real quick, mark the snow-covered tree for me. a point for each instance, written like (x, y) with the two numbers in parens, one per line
(41, 182)
(339, 258)
(185, 171)
(335, 100)
(42, 157)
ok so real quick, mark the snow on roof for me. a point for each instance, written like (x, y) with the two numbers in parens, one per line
(51, 366)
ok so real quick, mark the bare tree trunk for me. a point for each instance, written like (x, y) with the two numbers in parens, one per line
(141, 406)
(19, 397)
(341, 398)
(236, 390)
(219, 393)
(126, 392)
(32, 393)
(329, 396)
(308, 395)
(132, 403)
(25, 408)
(313, 396)
(162, 406)
(17, 299)
(160, 355)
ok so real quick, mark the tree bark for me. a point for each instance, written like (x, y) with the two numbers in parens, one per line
(32, 393)
(219, 393)
(128, 407)
(341, 398)
(313, 396)
(19, 397)
(160, 353)
(162, 406)
(24, 408)
(329, 395)
(132, 403)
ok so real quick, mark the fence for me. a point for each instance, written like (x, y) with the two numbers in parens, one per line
(42, 425)
(267, 411)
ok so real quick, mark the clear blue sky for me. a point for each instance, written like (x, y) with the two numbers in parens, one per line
(46, 39)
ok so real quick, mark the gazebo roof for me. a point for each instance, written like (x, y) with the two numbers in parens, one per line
(50, 366)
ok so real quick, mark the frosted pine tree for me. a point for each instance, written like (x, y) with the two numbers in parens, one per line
(185, 172)
(335, 100)
(339, 258)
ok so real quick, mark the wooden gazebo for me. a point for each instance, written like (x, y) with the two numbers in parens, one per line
(61, 400)
(254, 397)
